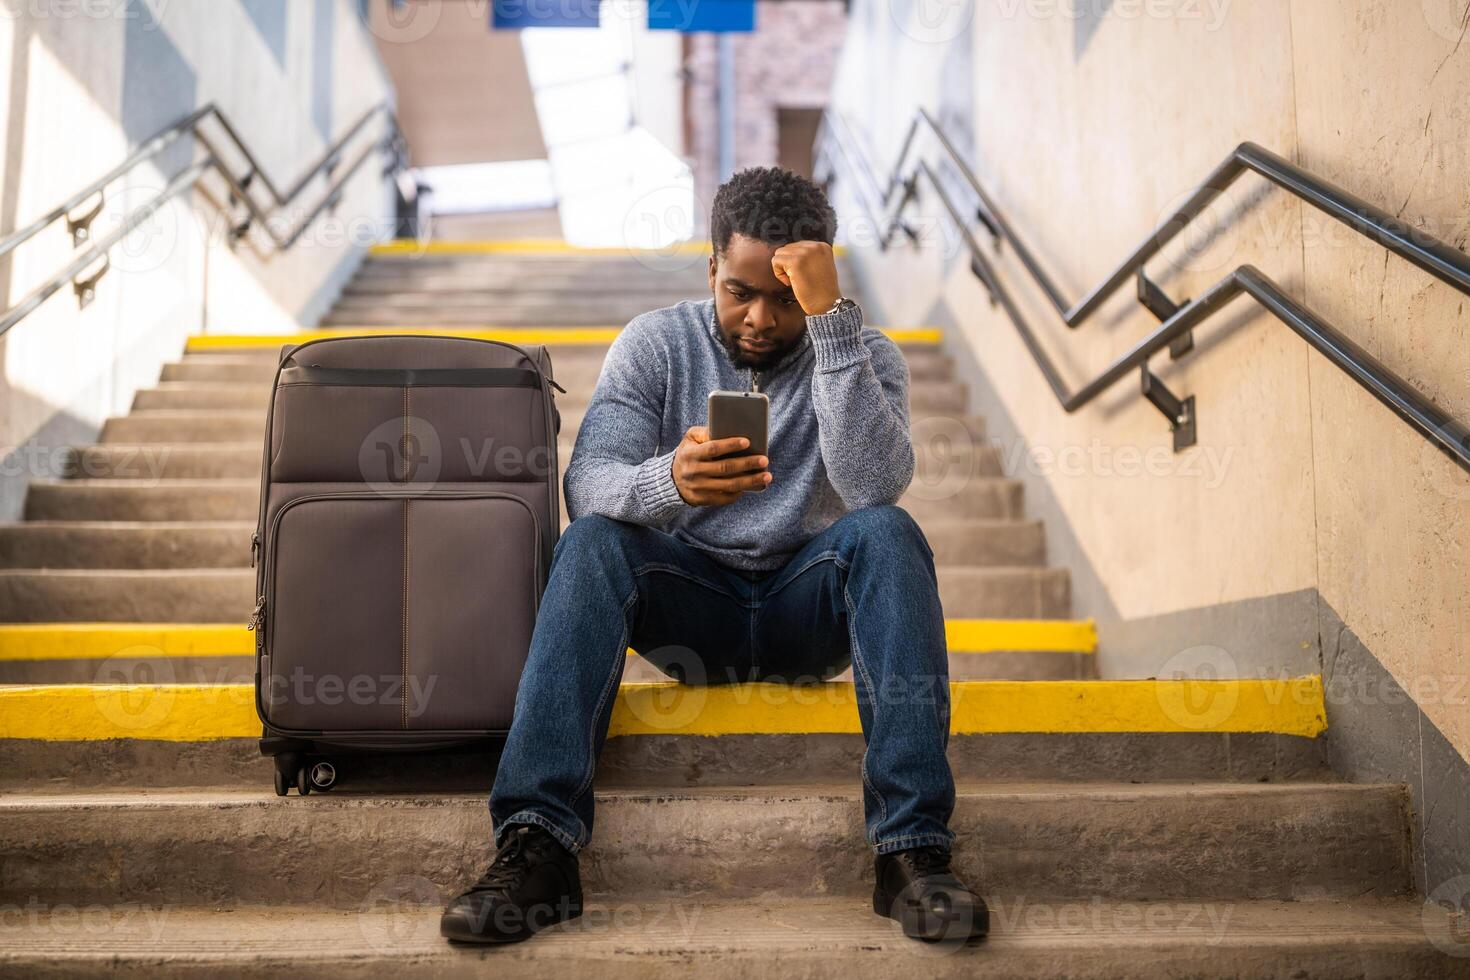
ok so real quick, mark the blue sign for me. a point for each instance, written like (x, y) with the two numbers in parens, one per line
(512, 15)
(722, 16)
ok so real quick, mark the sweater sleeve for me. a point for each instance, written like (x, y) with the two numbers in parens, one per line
(616, 467)
(860, 391)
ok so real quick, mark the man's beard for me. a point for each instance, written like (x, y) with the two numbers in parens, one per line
(757, 362)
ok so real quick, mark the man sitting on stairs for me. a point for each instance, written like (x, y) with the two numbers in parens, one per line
(787, 568)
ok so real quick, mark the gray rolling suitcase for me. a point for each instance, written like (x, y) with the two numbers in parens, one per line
(408, 513)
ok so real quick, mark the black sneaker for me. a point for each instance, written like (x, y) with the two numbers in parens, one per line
(532, 883)
(916, 888)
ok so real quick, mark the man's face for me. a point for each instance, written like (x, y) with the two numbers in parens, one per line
(759, 317)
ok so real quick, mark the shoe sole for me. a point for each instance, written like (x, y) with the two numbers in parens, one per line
(502, 939)
(917, 925)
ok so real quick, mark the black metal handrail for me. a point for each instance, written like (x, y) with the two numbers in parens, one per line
(1178, 320)
(241, 191)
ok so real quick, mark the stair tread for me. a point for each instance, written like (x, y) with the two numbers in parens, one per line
(993, 570)
(214, 798)
(217, 482)
(1185, 841)
(1072, 938)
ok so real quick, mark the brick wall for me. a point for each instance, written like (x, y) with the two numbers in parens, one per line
(787, 62)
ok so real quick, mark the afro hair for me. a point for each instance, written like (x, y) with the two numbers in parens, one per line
(772, 205)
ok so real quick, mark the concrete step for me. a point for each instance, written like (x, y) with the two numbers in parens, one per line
(561, 338)
(226, 595)
(239, 425)
(225, 544)
(948, 396)
(495, 287)
(676, 760)
(573, 371)
(1034, 840)
(238, 500)
(1016, 542)
(126, 544)
(814, 937)
(191, 595)
(142, 500)
(1005, 593)
(610, 307)
(688, 269)
(456, 309)
(654, 267)
(194, 395)
(186, 461)
(140, 666)
(939, 464)
(165, 653)
(546, 315)
(185, 426)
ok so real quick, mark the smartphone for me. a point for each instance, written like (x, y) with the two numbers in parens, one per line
(740, 413)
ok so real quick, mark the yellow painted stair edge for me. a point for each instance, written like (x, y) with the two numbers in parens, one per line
(412, 248)
(205, 712)
(550, 335)
(95, 641)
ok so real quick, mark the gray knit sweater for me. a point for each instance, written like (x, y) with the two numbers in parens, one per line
(839, 433)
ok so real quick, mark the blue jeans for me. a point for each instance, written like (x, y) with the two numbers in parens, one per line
(862, 591)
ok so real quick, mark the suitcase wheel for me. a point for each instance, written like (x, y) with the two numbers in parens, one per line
(323, 776)
(292, 770)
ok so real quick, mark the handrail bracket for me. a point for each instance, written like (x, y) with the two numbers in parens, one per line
(86, 288)
(1180, 413)
(1162, 307)
(80, 226)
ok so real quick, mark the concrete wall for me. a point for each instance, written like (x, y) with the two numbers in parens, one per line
(1310, 529)
(463, 93)
(80, 85)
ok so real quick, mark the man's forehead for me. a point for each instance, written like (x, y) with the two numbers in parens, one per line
(747, 262)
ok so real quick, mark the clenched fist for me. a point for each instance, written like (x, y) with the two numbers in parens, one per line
(810, 269)
(703, 480)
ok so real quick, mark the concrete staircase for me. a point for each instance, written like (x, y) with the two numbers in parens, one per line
(1115, 836)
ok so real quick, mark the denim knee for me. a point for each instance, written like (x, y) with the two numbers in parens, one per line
(593, 534)
(890, 524)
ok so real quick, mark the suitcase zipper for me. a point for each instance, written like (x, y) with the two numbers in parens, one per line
(257, 615)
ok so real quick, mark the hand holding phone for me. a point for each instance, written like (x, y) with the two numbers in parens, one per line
(715, 467)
